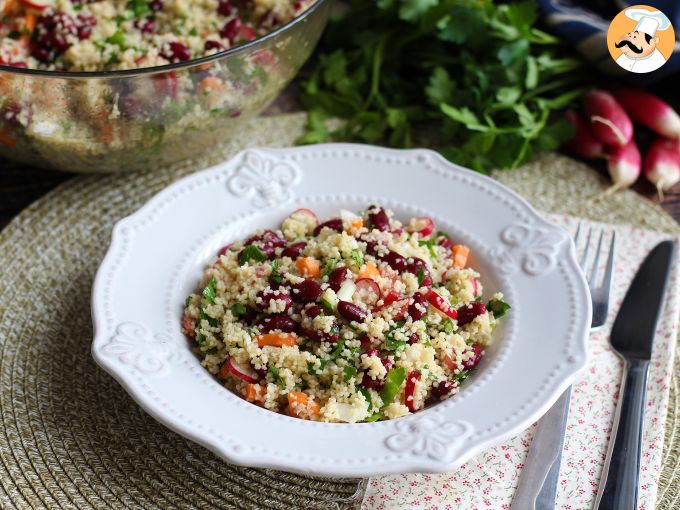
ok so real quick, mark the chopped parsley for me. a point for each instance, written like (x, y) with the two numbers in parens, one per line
(430, 243)
(349, 372)
(421, 276)
(117, 39)
(459, 378)
(276, 276)
(275, 375)
(238, 309)
(392, 343)
(139, 7)
(209, 291)
(368, 398)
(498, 307)
(249, 253)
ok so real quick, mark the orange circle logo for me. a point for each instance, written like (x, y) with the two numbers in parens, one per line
(640, 39)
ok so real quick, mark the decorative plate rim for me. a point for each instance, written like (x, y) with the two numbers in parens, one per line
(112, 343)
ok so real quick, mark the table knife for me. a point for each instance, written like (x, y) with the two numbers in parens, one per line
(632, 337)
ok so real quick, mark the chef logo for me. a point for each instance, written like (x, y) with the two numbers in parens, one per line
(640, 39)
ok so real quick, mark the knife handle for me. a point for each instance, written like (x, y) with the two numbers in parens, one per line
(620, 476)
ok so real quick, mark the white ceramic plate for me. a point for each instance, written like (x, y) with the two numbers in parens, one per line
(158, 254)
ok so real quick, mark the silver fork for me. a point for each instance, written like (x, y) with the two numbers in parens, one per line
(537, 487)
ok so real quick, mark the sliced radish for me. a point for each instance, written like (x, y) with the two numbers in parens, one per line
(36, 5)
(243, 371)
(346, 291)
(369, 291)
(299, 214)
(448, 361)
(441, 304)
(475, 286)
(423, 226)
(391, 297)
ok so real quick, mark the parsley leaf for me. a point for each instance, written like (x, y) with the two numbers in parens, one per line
(238, 309)
(430, 243)
(421, 276)
(498, 307)
(349, 371)
(276, 276)
(275, 375)
(251, 252)
(209, 290)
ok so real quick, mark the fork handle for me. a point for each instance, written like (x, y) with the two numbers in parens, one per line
(620, 476)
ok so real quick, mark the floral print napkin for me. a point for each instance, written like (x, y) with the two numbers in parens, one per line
(488, 481)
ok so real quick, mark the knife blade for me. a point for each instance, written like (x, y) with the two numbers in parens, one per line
(632, 339)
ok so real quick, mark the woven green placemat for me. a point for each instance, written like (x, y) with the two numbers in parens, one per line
(70, 437)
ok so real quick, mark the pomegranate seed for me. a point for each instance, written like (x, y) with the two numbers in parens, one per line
(213, 45)
(308, 291)
(145, 26)
(473, 361)
(414, 338)
(387, 364)
(293, 250)
(313, 311)
(277, 322)
(156, 5)
(337, 277)
(351, 312)
(85, 24)
(379, 219)
(372, 352)
(372, 384)
(231, 29)
(334, 224)
(177, 52)
(419, 307)
(467, 313)
(268, 296)
(225, 8)
(443, 388)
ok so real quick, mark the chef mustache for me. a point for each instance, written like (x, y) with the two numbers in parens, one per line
(626, 42)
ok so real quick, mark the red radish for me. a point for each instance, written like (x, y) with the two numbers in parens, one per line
(368, 290)
(475, 286)
(583, 143)
(398, 308)
(624, 165)
(441, 304)
(304, 213)
(662, 164)
(424, 226)
(609, 122)
(242, 371)
(391, 297)
(410, 389)
(36, 5)
(650, 111)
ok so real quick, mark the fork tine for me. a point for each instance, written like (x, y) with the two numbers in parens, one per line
(607, 280)
(584, 258)
(593, 272)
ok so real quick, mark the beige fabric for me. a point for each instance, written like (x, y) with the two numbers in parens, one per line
(70, 436)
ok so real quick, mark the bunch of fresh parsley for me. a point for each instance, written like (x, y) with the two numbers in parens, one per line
(473, 78)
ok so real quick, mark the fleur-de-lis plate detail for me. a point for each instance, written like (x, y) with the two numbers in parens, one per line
(135, 346)
(429, 436)
(527, 248)
(268, 180)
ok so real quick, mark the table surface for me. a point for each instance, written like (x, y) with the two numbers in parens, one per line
(20, 185)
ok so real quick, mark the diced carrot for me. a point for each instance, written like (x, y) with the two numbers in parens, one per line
(210, 84)
(309, 267)
(254, 393)
(300, 406)
(6, 139)
(276, 339)
(460, 254)
(356, 224)
(370, 271)
(29, 24)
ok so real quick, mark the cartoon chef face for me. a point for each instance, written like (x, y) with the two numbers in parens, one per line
(637, 44)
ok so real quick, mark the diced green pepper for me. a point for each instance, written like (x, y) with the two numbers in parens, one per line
(251, 252)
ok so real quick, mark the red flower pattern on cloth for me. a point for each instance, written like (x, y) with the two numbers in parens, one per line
(488, 481)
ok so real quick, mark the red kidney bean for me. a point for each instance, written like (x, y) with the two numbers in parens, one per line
(443, 388)
(268, 296)
(248, 316)
(293, 250)
(467, 313)
(333, 224)
(313, 311)
(307, 291)
(337, 277)
(372, 384)
(395, 261)
(280, 322)
(351, 312)
(379, 219)
(417, 312)
(473, 361)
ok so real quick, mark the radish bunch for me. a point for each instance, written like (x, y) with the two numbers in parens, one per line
(604, 128)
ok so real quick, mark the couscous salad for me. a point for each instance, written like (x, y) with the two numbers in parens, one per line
(355, 319)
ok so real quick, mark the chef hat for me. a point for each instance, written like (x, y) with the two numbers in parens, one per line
(648, 21)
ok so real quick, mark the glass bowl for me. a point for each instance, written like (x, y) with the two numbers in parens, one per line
(140, 119)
